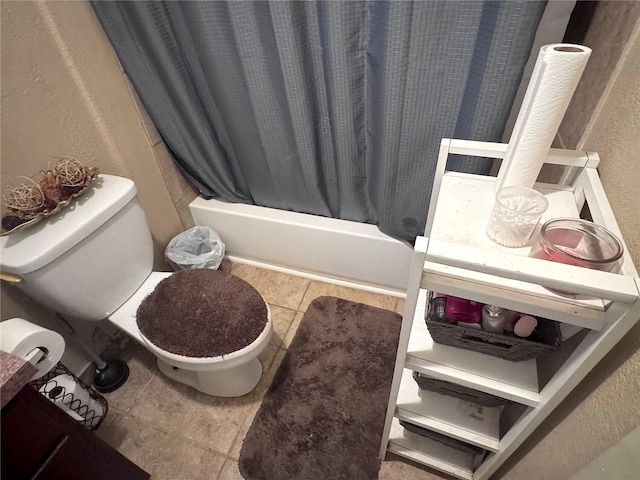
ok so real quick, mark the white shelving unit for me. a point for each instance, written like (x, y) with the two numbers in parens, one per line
(455, 257)
(473, 424)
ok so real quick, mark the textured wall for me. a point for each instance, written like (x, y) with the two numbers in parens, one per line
(606, 405)
(612, 26)
(64, 93)
(613, 132)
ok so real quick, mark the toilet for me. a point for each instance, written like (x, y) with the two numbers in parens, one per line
(94, 260)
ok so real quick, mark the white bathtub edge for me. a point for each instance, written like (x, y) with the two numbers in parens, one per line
(315, 276)
(331, 250)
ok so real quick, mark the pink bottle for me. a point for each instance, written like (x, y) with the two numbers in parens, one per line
(463, 311)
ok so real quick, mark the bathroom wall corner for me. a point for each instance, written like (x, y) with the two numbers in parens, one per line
(604, 406)
(64, 93)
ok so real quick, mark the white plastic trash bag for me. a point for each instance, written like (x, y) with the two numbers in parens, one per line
(198, 247)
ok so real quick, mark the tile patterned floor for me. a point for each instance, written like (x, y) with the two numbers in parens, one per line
(175, 432)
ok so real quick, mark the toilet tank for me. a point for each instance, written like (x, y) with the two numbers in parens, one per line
(89, 258)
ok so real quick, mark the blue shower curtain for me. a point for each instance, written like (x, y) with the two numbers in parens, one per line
(330, 108)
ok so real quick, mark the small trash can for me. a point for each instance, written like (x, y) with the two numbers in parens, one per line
(198, 247)
(77, 399)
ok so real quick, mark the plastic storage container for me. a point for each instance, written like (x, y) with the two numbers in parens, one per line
(458, 391)
(450, 442)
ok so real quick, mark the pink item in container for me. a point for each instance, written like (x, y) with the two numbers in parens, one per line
(463, 310)
(578, 242)
(525, 326)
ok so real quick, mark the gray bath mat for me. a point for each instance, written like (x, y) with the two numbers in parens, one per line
(323, 415)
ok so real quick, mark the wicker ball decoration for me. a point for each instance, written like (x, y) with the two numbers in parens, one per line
(70, 172)
(25, 197)
(31, 199)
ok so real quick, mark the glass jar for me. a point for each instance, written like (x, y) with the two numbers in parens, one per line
(574, 241)
(515, 215)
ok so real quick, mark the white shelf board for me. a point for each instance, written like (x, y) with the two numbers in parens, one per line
(517, 381)
(430, 452)
(518, 296)
(465, 204)
(469, 422)
(462, 214)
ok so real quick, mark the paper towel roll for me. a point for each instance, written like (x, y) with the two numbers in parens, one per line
(20, 337)
(554, 79)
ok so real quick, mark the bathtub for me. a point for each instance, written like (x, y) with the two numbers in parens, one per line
(337, 251)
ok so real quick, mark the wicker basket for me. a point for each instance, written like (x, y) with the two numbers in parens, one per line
(546, 338)
(438, 437)
(81, 402)
(458, 391)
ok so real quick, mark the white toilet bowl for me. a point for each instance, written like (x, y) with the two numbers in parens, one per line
(230, 375)
(95, 260)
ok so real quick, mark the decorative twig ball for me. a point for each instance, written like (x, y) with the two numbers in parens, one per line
(24, 198)
(70, 172)
(32, 199)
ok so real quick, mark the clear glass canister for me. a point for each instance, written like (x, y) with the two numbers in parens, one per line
(515, 214)
(574, 241)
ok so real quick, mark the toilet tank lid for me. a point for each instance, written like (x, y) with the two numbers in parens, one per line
(30, 249)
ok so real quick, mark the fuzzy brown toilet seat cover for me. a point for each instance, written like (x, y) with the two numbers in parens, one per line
(202, 313)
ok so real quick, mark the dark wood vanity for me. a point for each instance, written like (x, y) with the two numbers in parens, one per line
(40, 441)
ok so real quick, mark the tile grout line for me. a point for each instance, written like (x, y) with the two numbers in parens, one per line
(227, 459)
(178, 436)
(303, 295)
(284, 334)
(271, 302)
(141, 391)
(284, 337)
(149, 424)
(169, 434)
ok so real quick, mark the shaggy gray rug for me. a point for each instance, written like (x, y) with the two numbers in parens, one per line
(323, 415)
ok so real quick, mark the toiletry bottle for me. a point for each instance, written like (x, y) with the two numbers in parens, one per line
(493, 318)
(438, 307)
(463, 311)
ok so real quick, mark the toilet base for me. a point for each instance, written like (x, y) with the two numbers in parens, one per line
(229, 382)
